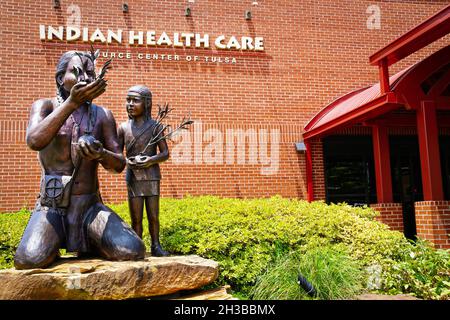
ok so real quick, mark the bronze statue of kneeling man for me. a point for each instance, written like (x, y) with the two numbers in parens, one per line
(72, 136)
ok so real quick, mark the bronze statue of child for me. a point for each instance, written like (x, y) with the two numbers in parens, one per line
(140, 137)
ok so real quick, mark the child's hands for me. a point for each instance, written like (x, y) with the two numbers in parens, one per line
(140, 162)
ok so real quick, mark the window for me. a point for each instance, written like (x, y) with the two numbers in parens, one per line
(349, 170)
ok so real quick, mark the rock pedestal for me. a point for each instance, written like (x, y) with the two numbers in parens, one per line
(96, 279)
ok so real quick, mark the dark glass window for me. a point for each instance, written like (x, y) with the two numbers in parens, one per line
(406, 179)
(405, 167)
(349, 170)
(444, 142)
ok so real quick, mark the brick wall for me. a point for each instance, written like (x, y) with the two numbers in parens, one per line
(315, 52)
(433, 222)
(390, 214)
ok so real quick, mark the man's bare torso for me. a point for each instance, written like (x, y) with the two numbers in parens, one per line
(56, 157)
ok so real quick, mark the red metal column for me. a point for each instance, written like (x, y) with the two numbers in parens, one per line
(309, 172)
(381, 154)
(427, 130)
(383, 72)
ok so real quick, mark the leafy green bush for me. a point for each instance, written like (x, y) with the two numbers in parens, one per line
(422, 271)
(246, 237)
(243, 235)
(12, 226)
(333, 274)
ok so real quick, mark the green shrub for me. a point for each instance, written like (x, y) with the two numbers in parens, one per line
(246, 236)
(12, 226)
(243, 235)
(331, 271)
(422, 271)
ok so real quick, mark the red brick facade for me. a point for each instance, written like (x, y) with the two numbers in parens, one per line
(433, 222)
(390, 214)
(315, 51)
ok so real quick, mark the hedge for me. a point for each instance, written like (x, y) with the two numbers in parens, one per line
(246, 235)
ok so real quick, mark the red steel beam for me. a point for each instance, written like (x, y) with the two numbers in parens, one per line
(406, 120)
(381, 154)
(442, 103)
(384, 76)
(420, 36)
(430, 162)
(309, 172)
(439, 87)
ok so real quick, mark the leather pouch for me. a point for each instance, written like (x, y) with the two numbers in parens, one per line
(55, 191)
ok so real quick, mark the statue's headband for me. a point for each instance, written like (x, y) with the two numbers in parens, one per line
(142, 90)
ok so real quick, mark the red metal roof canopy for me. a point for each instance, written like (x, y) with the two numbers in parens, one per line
(353, 107)
(375, 100)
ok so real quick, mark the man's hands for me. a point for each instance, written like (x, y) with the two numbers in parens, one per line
(90, 148)
(140, 162)
(82, 91)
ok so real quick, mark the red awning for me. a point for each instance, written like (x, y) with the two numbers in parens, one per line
(428, 80)
(353, 107)
(369, 102)
(380, 98)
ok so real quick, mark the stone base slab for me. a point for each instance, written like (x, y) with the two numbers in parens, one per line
(222, 293)
(96, 279)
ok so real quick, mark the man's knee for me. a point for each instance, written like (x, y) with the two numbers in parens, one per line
(132, 249)
(121, 242)
(113, 237)
(40, 242)
(36, 251)
(28, 259)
